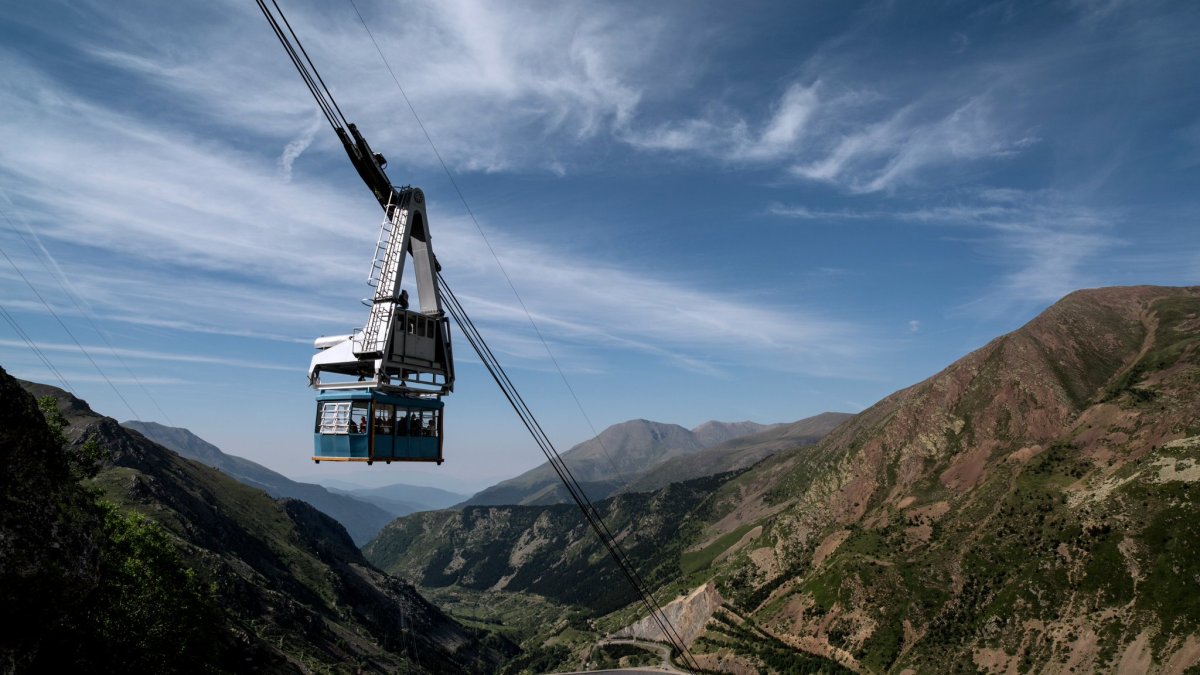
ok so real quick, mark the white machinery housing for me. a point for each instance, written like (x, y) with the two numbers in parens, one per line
(399, 350)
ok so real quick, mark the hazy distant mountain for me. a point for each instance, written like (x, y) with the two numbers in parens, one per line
(361, 519)
(619, 454)
(713, 432)
(400, 499)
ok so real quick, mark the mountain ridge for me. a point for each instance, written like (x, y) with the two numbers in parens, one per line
(362, 519)
(619, 455)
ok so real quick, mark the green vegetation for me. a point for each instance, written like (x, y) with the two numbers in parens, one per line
(150, 615)
(1171, 342)
(540, 660)
(147, 612)
(743, 638)
(692, 561)
(622, 656)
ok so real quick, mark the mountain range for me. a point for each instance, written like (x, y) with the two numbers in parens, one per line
(1032, 507)
(652, 454)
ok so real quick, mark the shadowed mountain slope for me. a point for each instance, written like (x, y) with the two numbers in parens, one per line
(294, 592)
(361, 519)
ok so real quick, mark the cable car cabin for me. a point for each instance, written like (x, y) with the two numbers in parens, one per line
(368, 426)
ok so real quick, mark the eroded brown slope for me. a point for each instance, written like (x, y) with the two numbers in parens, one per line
(1005, 511)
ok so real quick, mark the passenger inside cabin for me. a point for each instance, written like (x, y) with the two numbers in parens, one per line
(352, 427)
(362, 424)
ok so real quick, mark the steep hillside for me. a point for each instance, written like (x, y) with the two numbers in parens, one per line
(620, 454)
(546, 550)
(1033, 506)
(293, 591)
(361, 519)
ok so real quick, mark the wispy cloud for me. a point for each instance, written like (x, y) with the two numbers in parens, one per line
(153, 355)
(208, 239)
(491, 78)
(1044, 243)
(293, 149)
(727, 134)
(889, 153)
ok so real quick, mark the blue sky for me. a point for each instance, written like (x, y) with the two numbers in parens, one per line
(711, 211)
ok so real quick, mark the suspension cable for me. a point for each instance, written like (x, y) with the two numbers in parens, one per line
(312, 78)
(591, 514)
(586, 506)
(12, 321)
(52, 268)
(69, 333)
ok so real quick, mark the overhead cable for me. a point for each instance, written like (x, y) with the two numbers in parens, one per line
(43, 256)
(70, 334)
(12, 321)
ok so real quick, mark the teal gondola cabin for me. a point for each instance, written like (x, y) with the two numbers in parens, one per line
(369, 426)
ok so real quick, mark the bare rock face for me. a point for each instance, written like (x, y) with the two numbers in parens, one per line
(688, 615)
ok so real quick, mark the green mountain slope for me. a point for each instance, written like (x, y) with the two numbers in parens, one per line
(361, 519)
(291, 590)
(545, 550)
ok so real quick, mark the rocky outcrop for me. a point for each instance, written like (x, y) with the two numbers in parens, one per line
(49, 530)
(687, 616)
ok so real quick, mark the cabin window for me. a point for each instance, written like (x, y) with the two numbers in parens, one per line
(412, 325)
(417, 423)
(333, 417)
(359, 417)
(429, 329)
(385, 414)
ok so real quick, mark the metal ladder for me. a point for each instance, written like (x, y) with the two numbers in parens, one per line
(384, 277)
